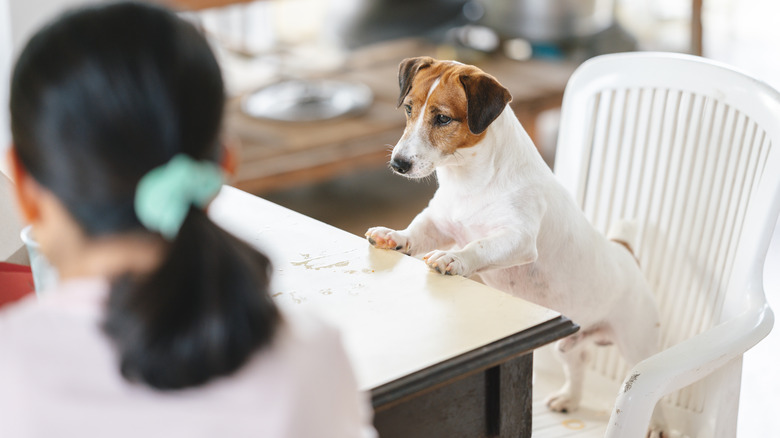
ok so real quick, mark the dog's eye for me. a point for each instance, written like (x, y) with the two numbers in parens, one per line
(408, 109)
(441, 119)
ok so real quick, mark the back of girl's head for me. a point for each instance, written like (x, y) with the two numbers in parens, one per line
(99, 98)
(106, 94)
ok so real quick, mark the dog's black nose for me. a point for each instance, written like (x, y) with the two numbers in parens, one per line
(399, 165)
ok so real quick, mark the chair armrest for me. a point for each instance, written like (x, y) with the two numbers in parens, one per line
(682, 365)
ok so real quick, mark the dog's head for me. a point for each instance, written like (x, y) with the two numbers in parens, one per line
(448, 106)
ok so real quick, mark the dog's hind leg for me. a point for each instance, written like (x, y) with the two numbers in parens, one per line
(573, 355)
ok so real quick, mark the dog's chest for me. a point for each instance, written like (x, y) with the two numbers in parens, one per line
(460, 233)
(464, 223)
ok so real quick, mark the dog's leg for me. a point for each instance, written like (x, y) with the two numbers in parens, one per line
(500, 250)
(573, 355)
(419, 237)
(507, 245)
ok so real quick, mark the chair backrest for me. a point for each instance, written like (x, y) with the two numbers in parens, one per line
(689, 149)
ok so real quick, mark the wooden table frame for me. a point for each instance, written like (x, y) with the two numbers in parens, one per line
(491, 386)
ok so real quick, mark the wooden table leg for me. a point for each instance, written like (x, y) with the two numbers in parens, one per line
(492, 403)
(509, 398)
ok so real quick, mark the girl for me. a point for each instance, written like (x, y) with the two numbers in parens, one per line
(161, 324)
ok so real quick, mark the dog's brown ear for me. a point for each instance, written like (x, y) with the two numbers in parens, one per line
(406, 72)
(486, 99)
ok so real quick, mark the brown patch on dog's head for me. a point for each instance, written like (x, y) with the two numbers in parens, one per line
(407, 70)
(456, 113)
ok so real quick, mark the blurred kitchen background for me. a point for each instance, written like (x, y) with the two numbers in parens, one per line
(313, 91)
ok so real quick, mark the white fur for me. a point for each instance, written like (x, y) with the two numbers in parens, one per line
(414, 145)
(499, 212)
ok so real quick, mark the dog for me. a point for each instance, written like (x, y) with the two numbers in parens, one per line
(499, 212)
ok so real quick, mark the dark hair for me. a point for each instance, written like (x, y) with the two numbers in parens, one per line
(98, 98)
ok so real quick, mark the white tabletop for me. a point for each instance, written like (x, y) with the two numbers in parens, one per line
(396, 316)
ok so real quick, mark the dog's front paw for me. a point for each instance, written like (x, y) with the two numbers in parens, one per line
(562, 401)
(385, 238)
(447, 263)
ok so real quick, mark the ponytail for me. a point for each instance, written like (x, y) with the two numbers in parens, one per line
(201, 315)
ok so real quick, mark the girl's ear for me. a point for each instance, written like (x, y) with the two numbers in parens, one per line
(27, 190)
(231, 150)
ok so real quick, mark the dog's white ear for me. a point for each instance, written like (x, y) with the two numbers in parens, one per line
(406, 72)
(486, 98)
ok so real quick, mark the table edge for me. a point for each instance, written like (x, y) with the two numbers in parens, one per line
(472, 361)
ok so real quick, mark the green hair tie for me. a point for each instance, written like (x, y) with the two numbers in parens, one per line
(164, 195)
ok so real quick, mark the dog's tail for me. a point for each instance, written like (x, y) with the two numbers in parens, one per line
(624, 232)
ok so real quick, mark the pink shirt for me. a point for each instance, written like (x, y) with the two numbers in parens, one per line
(59, 378)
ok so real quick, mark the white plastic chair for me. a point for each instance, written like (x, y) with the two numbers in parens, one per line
(689, 148)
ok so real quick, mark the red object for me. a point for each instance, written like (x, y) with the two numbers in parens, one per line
(16, 281)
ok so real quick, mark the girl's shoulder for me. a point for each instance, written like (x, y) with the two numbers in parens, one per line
(78, 299)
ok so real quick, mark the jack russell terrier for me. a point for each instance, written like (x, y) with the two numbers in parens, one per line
(500, 212)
